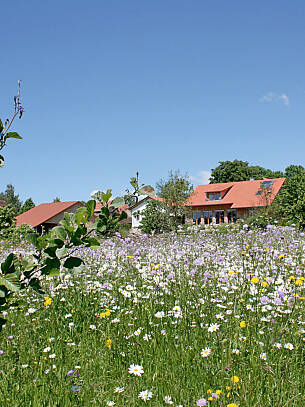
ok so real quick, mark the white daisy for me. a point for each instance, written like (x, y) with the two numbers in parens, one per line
(136, 370)
(145, 395)
(205, 352)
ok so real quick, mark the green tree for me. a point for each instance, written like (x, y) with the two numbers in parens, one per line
(10, 198)
(174, 193)
(28, 204)
(230, 171)
(294, 170)
(56, 199)
(291, 200)
(233, 171)
(156, 218)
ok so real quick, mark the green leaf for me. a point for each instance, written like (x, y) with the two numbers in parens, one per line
(104, 211)
(118, 202)
(13, 134)
(1, 126)
(10, 283)
(106, 195)
(32, 238)
(8, 265)
(60, 253)
(2, 292)
(93, 243)
(50, 264)
(1, 161)
(54, 273)
(90, 205)
(123, 216)
(72, 262)
(59, 231)
(81, 215)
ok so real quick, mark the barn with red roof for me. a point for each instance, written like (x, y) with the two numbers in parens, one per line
(47, 215)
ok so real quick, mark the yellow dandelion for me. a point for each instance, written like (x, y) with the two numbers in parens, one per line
(254, 280)
(108, 343)
(235, 379)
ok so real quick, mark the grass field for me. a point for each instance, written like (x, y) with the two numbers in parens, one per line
(210, 317)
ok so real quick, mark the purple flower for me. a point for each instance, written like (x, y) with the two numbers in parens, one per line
(70, 373)
(201, 402)
(215, 395)
(1, 352)
(76, 388)
(265, 300)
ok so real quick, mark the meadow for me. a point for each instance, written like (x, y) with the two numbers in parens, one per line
(202, 317)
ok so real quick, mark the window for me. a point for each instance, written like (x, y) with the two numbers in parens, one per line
(220, 217)
(208, 217)
(213, 196)
(232, 216)
(196, 217)
(265, 185)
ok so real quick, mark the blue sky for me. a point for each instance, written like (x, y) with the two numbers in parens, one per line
(114, 87)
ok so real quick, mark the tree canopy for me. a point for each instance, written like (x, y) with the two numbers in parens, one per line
(237, 170)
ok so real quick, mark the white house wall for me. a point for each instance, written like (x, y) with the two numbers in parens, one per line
(135, 222)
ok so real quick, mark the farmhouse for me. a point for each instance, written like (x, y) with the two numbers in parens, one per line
(225, 203)
(47, 215)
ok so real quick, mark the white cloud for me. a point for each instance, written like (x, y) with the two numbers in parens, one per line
(201, 178)
(275, 97)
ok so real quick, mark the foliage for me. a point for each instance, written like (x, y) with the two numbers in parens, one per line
(19, 233)
(56, 199)
(132, 197)
(7, 220)
(232, 171)
(156, 218)
(294, 170)
(28, 204)
(110, 216)
(174, 193)
(10, 198)
(291, 200)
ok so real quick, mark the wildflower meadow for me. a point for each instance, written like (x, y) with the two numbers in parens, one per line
(198, 317)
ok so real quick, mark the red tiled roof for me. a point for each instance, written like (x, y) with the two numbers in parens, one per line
(99, 205)
(240, 194)
(43, 212)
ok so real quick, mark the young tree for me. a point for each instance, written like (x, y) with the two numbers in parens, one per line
(56, 199)
(156, 218)
(174, 193)
(5, 134)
